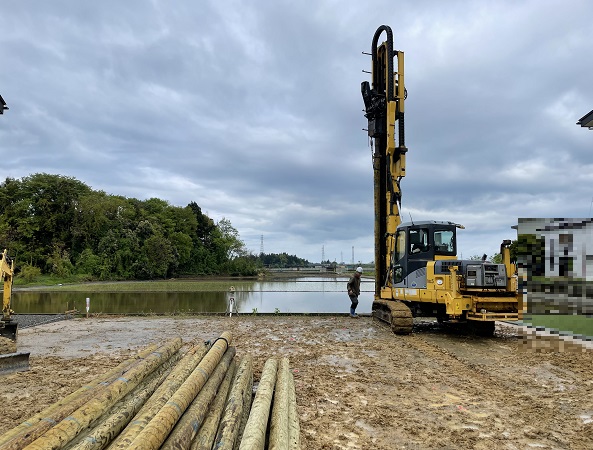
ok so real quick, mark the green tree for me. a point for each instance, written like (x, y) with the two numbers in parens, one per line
(38, 211)
(119, 251)
(496, 258)
(59, 263)
(530, 253)
(204, 228)
(88, 264)
(241, 266)
(157, 256)
(62, 226)
(182, 247)
(282, 260)
(97, 214)
(229, 240)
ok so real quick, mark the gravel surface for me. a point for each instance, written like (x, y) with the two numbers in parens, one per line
(32, 320)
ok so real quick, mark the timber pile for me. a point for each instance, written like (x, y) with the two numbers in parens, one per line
(163, 399)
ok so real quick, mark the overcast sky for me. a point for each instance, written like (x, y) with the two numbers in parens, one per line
(253, 110)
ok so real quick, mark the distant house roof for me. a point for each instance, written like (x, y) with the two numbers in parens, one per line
(567, 224)
(586, 120)
(2, 105)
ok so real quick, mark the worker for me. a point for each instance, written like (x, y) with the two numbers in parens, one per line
(354, 291)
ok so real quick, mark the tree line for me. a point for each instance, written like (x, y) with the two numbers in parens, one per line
(58, 225)
(282, 260)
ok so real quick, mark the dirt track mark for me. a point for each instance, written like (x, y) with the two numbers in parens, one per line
(504, 396)
(358, 385)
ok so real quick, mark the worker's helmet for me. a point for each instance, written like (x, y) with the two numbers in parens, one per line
(359, 269)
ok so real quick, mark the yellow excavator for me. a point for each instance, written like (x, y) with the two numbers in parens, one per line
(417, 271)
(10, 360)
(8, 326)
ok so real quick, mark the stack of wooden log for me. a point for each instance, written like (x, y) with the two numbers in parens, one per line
(163, 399)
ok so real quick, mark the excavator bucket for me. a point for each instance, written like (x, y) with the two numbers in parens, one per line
(10, 360)
(14, 362)
(8, 329)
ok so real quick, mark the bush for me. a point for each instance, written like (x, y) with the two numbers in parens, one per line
(30, 273)
(59, 263)
(88, 264)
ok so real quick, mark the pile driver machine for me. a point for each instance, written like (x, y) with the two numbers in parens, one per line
(417, 271)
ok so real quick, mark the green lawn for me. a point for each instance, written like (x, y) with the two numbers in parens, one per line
(146, 286)
(569, 323)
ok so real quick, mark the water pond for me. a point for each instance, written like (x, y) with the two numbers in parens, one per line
(298, 295)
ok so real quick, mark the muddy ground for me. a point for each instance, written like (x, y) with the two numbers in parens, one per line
(358, 385)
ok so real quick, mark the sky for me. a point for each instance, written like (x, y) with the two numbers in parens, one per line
(253, 110)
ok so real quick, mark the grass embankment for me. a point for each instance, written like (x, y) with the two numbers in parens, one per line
(144, 286)
(578, 325)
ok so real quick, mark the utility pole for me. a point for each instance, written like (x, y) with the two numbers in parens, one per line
(353, 254)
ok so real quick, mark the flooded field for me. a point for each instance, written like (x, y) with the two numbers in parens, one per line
(298, 295)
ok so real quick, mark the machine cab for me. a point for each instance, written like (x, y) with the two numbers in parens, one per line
(416, 243)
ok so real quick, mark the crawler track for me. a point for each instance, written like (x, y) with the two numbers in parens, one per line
(394, 313)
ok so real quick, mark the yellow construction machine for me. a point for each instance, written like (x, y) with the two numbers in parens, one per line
(8, 326)
(417, 271)
(10, 360)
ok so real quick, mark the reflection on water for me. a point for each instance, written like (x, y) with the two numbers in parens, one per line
(301, 295)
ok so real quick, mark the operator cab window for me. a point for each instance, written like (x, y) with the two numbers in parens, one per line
(400, 245)
(444, 242)
(418, 241)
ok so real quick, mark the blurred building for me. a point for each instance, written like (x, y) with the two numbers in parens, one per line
(2, 105)
(586, 120)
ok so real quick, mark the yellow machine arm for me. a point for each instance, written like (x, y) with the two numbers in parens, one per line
(384, 109)
(6, 270)
(7, 325)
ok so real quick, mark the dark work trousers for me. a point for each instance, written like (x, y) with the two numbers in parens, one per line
(354, 300)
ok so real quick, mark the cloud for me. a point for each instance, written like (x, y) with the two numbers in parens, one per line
(253, 110)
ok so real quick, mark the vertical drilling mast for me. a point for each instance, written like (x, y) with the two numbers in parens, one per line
(417, 272)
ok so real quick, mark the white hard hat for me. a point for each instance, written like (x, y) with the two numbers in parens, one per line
(359, 269)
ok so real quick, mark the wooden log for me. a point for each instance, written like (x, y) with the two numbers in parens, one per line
(68, 428)
(228, 431)
(189, 424)
(164, 392)
(279, 426)
(294, 429)
(207, 432)
(247, 399)
(36, 425)
(155, 433)
(107, 427)
(254, 436)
